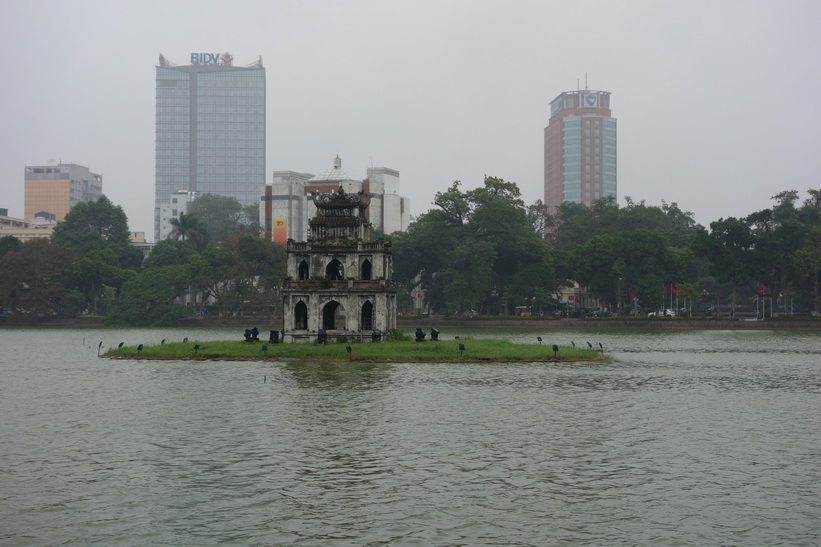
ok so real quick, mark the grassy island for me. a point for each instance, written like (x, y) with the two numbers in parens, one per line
(444, 351)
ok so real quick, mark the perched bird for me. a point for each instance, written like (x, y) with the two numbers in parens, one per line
(162, 342)
(185, 339)
(589, 345)
(120, 344)
(574, 344)
(539, 338)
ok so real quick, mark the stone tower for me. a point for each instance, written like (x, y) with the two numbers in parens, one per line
(339, 282)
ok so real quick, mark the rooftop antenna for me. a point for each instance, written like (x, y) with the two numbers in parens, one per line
(585, 81)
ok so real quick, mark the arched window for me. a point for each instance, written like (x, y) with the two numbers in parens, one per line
(335, 271)
(333, 316)
(303, 270)
(300, 316)
(367, 270)
(366, 320)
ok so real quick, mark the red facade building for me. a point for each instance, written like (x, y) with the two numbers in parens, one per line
(579, 149)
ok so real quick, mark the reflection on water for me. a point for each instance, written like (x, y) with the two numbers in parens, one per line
(695, 438)
(350, 375)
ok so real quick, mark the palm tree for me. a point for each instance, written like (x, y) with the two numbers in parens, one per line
(191, 229)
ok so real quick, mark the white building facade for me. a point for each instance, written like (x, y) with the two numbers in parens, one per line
(288, 203)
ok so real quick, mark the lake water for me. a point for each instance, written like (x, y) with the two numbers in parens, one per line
(682, 438)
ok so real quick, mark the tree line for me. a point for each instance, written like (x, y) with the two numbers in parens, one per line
(214, 261)
(484, 251)
(479, 251)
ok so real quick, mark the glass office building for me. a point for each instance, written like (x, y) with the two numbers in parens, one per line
(210, 130)
(579, 149)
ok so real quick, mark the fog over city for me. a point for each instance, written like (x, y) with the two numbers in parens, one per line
(717, 102)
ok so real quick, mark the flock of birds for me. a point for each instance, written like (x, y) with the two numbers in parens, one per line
(139, 347)
(589, 345)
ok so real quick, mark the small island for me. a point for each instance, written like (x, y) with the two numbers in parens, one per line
(402, 351)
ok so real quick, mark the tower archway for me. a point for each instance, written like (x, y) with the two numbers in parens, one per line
(333, 316)
(300, 316)
(366, 319)
(335, 270)
(367, 270)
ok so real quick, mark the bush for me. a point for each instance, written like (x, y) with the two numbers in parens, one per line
(397, 336)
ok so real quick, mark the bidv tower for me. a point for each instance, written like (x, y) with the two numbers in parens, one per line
(210, 131)
(579, 149)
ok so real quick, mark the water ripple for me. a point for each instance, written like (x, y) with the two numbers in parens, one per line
(678, 446)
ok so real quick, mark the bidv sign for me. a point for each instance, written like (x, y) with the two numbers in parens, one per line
(212, 59)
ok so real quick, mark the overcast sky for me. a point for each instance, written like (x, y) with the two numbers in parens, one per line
(718, 102)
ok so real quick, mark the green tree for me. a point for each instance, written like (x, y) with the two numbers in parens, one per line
(242, 275)
(534, 282)
(37, 277)
(540, 219)
(466, 281)
(9, 243)
(102, 217)
(91, 228)
(222, 216)
(476, 250)
(250, 220)
(98, 269)
(729, 246)
(261, 268)
(422, 252)
(807, 259)
(168, 252)
(188, 227)
(150, 298)
(594, 265)
(212, 272)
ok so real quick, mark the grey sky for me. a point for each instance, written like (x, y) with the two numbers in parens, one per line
(717, 102)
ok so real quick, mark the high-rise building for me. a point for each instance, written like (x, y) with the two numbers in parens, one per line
(579, 149)
(210, 130)
(288, 203)
(52, 190)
